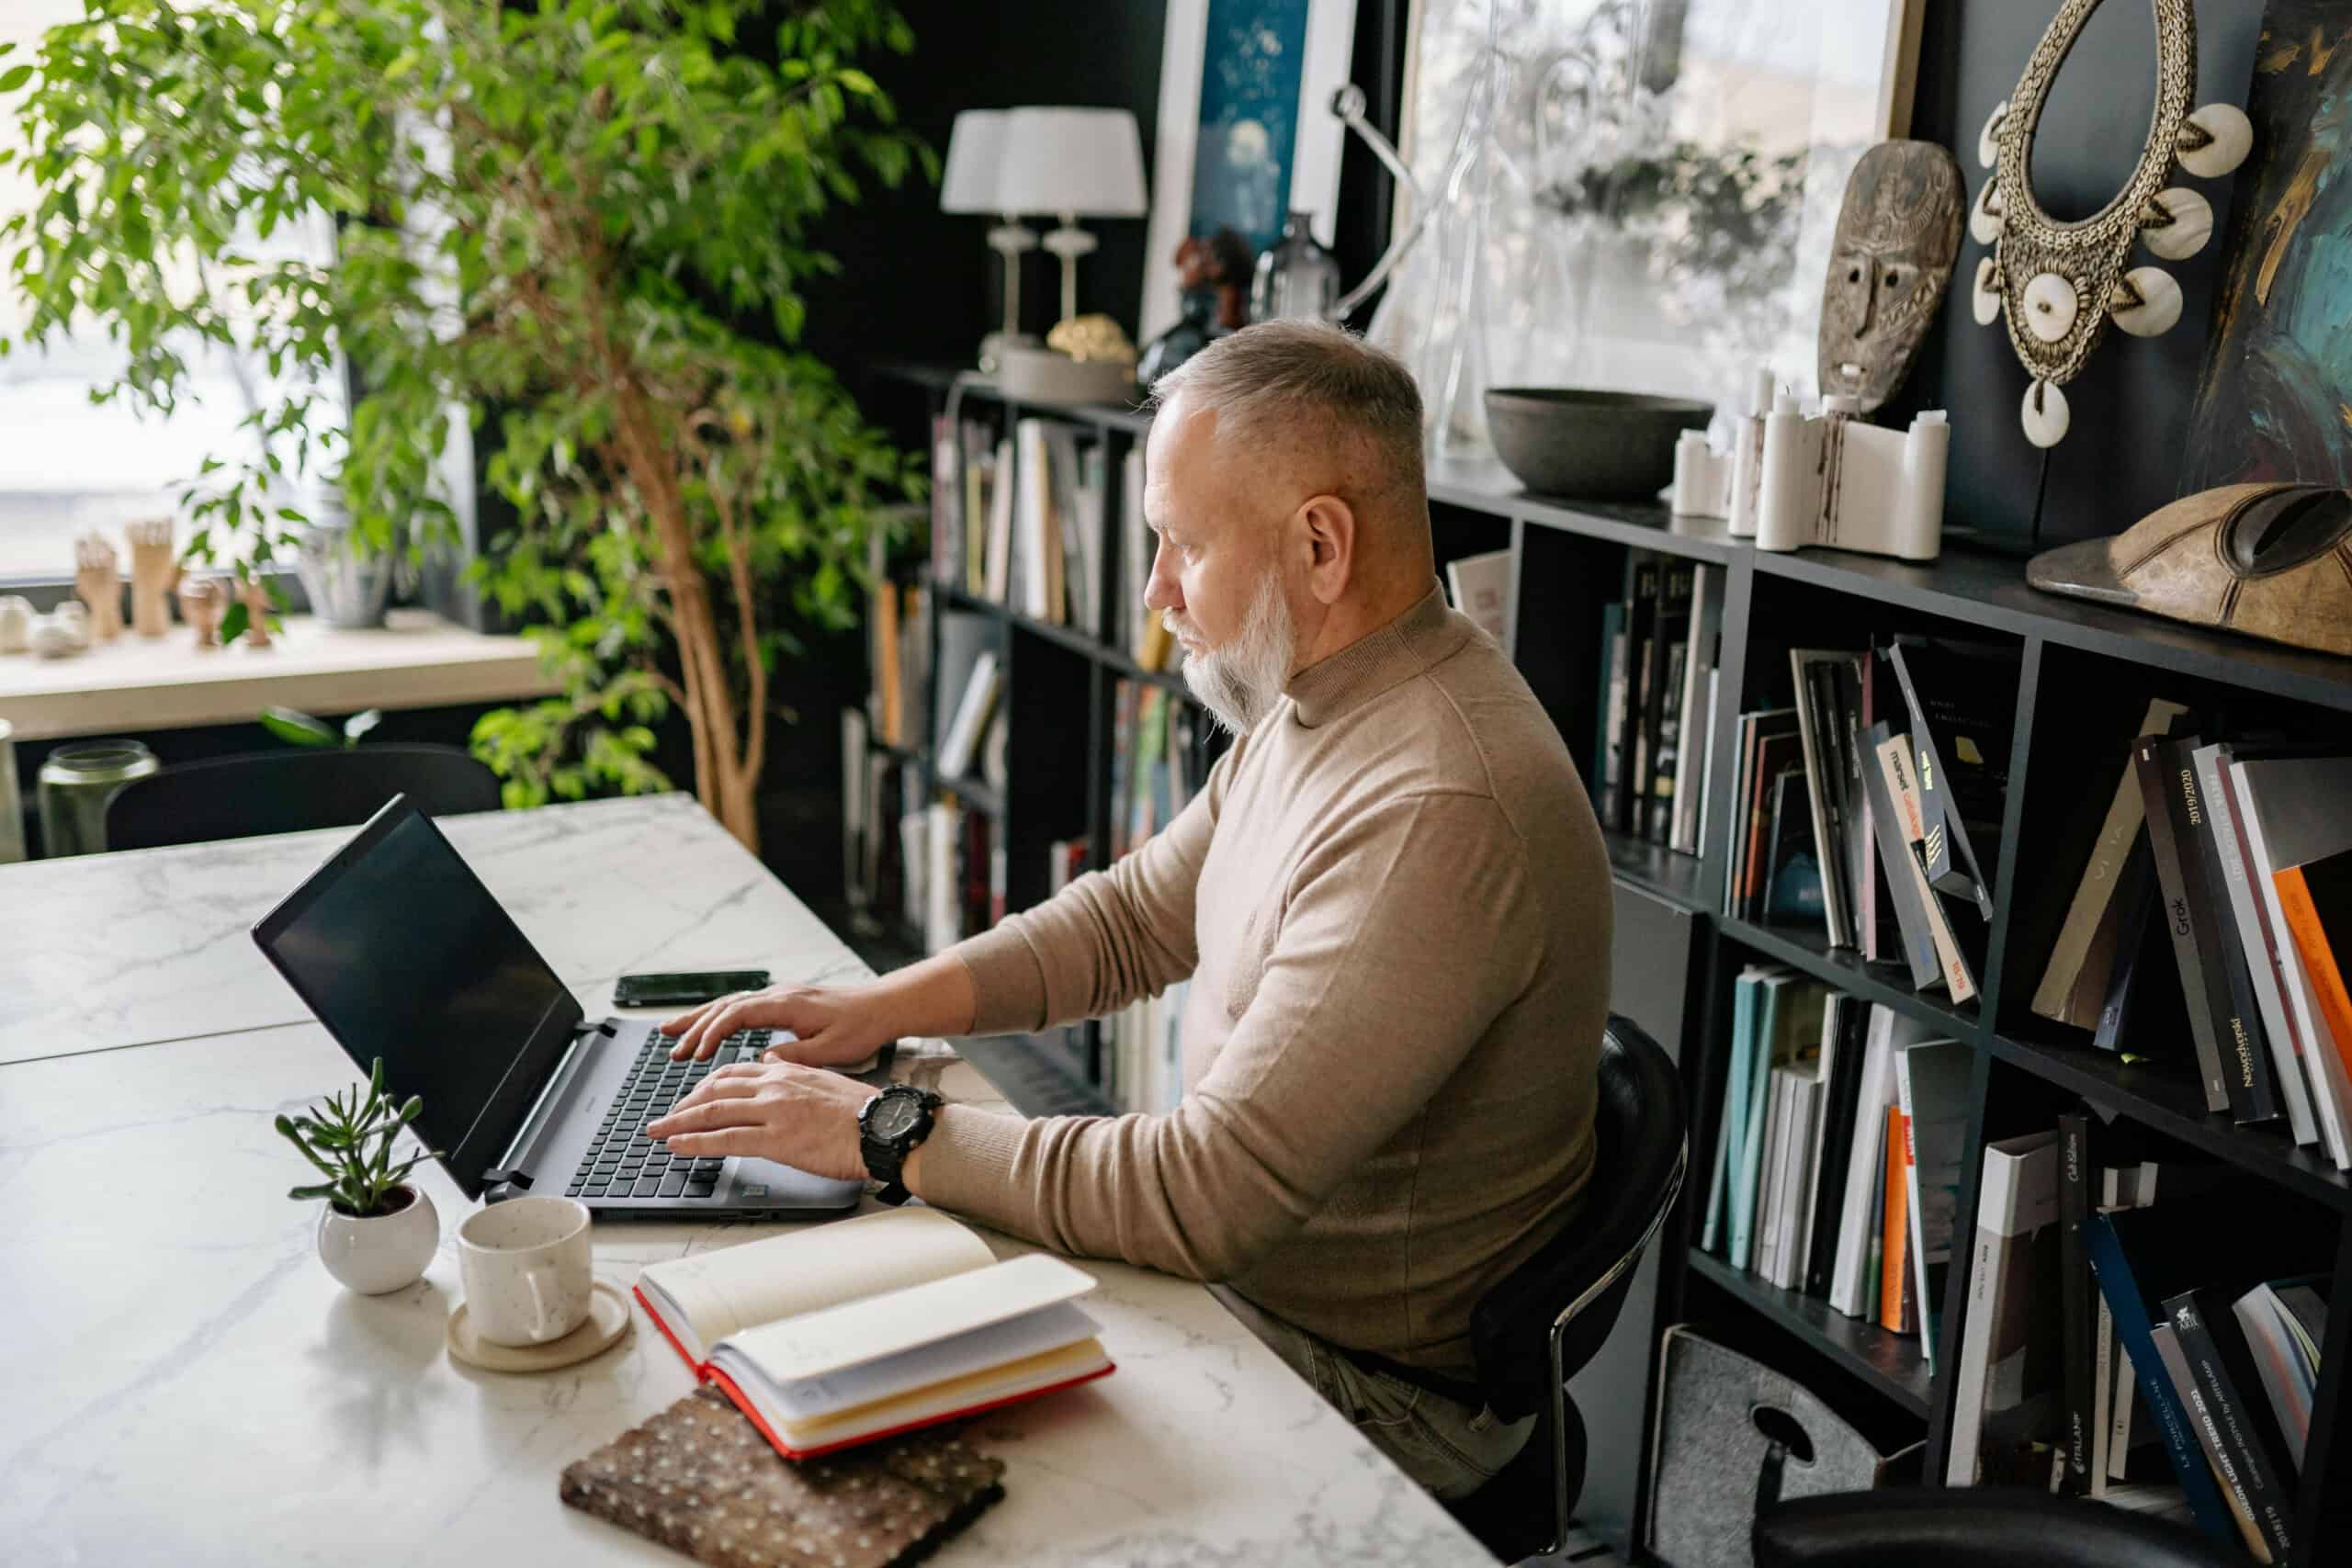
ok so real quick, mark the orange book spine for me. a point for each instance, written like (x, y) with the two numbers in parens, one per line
(2318, 955)
(1894, 1262)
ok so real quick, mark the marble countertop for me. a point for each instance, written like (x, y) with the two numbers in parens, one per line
(106, 950)
(188, 1384)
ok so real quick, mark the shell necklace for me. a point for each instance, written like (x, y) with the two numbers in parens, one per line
(2058, 283)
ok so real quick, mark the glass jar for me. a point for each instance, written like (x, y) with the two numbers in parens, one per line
(1296, 279)
(76, 784)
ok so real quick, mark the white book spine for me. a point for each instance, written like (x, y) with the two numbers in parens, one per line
(1805, 1129)
(2332, 1085)
(2105, 1449)
(2285, 1049)
(1768, 1206)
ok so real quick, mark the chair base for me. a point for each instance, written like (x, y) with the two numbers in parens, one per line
(1512, 1513)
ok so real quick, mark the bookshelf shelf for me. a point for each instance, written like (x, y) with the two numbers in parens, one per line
(1888, 984)
(1659, 871)
(2171, 1102)
(1890, 1363)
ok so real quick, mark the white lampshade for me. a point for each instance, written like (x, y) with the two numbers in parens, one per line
(1086, 163)
(975, 153)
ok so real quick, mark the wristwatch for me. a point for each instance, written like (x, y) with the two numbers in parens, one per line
(889, 1128)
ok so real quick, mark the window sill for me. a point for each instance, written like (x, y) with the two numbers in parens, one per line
(416, 660)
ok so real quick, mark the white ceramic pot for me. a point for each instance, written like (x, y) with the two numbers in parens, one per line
(383, 1252)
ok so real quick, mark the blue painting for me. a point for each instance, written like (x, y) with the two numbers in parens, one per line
(2275, 401)
(1248, 117)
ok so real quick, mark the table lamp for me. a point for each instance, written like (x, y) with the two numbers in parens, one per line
(1075, 162)
(975, 156)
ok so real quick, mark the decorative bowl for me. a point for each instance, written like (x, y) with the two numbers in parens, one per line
(1030, 374)
(1594, 446)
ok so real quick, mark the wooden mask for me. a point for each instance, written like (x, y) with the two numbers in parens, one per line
(1898, 234)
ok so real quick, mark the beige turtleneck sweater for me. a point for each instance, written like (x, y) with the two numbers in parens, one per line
(1392, 902)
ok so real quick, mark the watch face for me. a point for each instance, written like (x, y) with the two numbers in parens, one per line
(895, 1117)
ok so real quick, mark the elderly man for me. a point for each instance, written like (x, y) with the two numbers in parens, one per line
(1392, 900)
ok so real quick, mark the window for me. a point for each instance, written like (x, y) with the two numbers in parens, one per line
(67, 466)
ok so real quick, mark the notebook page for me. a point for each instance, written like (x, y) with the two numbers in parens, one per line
(977, 1349)
(818, 1343)
(725, 1292)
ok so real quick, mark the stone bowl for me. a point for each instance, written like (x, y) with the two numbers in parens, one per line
(1591, 445)
(1031, 374)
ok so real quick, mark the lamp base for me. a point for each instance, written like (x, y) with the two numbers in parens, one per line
(993, 349)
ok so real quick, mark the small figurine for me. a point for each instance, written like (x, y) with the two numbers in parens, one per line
(202, 602)
(1213, 274)
(16, 625)
(97, 578)
(154, 573)
(254, 596)
(64, 630)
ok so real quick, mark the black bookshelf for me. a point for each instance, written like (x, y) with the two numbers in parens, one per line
(2076, 659)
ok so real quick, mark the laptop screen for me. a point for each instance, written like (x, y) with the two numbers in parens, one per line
(402, 953)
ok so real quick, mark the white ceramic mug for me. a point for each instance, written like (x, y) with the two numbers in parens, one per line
(525, 1264)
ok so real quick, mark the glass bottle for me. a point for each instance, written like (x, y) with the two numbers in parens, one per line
(1297, 280)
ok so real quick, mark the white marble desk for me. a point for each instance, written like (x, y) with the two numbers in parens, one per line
(186, 1385)
(104, 951)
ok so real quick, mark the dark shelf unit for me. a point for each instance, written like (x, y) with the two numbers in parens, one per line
(2075, 659)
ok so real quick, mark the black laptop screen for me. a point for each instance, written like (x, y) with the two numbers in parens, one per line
(405, 954)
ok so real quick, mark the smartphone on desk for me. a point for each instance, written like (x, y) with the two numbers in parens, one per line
(684, 989)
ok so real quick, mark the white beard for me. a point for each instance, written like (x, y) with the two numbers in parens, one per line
(1240, 683)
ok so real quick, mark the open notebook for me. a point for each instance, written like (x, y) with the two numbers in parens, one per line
(854, 1330)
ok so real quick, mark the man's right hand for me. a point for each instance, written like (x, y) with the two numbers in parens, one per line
(836, 1025)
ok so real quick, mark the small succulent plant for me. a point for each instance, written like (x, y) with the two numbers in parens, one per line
(338, 1139)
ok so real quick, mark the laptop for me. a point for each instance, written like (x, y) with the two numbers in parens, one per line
(402, 953)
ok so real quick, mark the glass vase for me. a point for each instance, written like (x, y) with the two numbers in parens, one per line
(1297, 279)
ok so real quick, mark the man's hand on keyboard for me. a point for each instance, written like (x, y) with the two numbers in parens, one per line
(836, 1025)
(779, 1111)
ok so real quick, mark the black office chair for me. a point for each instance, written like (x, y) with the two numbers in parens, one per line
(1991, 1527)
(290, 791)
(1543, 1321)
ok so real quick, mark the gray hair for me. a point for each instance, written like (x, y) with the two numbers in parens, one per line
(1314, 387)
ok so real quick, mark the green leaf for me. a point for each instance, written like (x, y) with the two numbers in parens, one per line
(232, 624)
(294, 729)
(15, 77)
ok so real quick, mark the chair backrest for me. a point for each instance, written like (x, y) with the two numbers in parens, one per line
(291, 791)
(1637, 1170)
(1990, 1526)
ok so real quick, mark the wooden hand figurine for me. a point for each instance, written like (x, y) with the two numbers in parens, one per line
(202, 600)
(98, 581)
(255, 599)
(153, 574)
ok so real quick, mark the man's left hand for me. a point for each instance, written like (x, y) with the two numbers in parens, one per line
(803, 1117)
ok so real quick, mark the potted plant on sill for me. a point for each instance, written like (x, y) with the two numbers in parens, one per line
(582, 223)
(377, 1232)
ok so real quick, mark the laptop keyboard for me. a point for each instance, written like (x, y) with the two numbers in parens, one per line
(624, 1163)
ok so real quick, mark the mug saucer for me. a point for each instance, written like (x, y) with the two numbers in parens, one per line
(606, 1323)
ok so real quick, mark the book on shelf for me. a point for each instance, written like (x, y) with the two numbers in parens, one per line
(1769, 747)
(2075, 981)
(2284, 1322)
(2256, 998)
(1643, 576)
(961, 888)
(1136, 548)
(1158, 762)
(959, 747)
(2012, 1335)
(2289, 811)
(873, 1325)
(1653, 701)
(2233, 1420)
(1813, 676)
(1960, 698)
(1897, 1292)
(1143, 1052)
(1480, 588)
(1609, 738)
(1852, 1287)
(1931, 1082)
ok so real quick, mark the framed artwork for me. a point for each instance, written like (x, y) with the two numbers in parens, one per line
(1633, 194)
(1246, 131)
(2272, 401)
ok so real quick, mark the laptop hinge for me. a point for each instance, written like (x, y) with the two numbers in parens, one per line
(507, 1179)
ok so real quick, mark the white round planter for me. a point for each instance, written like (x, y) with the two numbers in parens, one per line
(382, 1253)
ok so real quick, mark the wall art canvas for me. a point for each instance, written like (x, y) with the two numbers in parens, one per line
(2274, 401)
(1246, 131)
(1636, 195)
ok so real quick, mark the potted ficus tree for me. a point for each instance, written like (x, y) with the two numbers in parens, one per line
(377, 1233)
(575, 230)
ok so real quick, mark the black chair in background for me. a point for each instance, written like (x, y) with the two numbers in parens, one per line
(292, 791)
(1990, 1526)
(1543, 1321)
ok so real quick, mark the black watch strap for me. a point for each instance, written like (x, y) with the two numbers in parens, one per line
(885, 1157)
